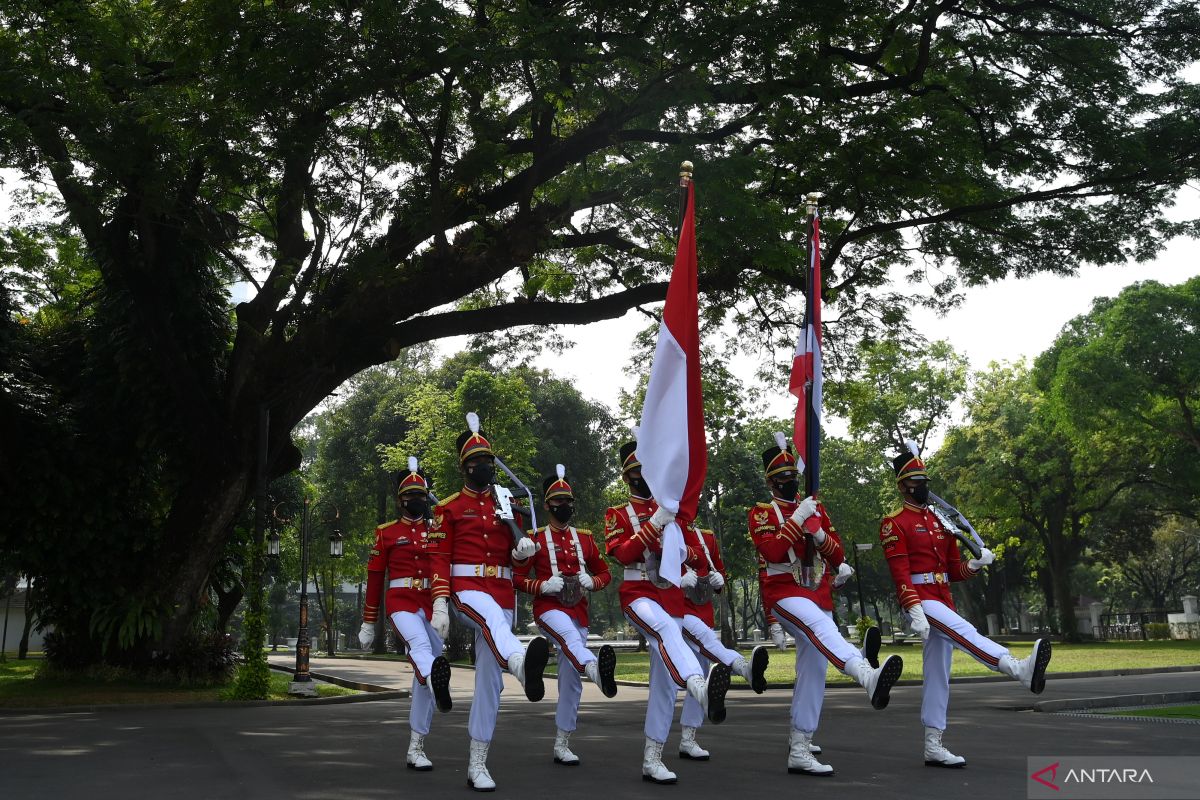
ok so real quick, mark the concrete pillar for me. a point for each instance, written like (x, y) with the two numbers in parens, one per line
(1095, 609)
(1025, 623)
(1191, 611)
(993, 624)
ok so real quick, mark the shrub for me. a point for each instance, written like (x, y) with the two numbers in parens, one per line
(862, 625)
(1158, 630)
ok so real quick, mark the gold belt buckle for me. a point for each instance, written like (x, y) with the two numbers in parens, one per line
(939, 577)
(490, 571)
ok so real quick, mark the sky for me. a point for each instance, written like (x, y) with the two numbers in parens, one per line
(1002, 321)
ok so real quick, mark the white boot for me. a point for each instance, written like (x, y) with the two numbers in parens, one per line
(477, 773)
(741, 666)
(516, 667)
(877, 682)
(416, 758)
(813, 747)
(653, 768)
(689, 747)
(562, 752)
(592, 670)
(1031, 670)
(938, 756)
(801, 761)
(710, 692)
(698, 689)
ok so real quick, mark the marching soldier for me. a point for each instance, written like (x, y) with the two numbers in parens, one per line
(568, 565)
(401, 548)
(923, 558)
(698, 587)
(655, 606)
(473, 556)
(791, 536)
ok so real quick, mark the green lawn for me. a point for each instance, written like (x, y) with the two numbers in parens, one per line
(1067, 658)
(1172, 712)
(22, 687)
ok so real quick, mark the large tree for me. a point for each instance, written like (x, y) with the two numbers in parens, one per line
(385, 173)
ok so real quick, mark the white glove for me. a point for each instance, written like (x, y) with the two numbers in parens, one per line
(586, 581)
(524, 549)
(715, 580)
(441, 619)
(661, 517)
(688, 580)
(552, 585)
(806, 508)
(985, 557)
(920, 625)
(776, 631)
(366, 635)
(845, 572)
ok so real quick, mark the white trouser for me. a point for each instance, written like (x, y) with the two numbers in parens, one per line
(494, 643)
(947, 630)
(804, 619)
(423, 645)
(570, 637)
(671, 663)
(708, 648)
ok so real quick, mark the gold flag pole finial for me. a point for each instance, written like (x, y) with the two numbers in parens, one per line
(811, 201)
(685, 180)
(685, 173)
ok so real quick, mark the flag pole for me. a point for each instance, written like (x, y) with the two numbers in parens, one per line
(685, 178)
(811, 447)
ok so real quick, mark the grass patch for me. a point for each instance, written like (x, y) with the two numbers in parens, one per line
(1171, 712)
(34, 684)
(1067, 658)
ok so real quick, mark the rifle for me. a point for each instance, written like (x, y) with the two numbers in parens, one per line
(940, 508)
(505, 508)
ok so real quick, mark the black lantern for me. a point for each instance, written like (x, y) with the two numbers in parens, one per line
(335, 543)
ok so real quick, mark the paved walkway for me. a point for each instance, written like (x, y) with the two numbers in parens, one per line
(357, 751)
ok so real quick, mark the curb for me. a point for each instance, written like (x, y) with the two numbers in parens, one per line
(346, 683)
(1116, 701)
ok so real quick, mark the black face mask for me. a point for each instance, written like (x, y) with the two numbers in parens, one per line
(920, 493)
(482, 474)
(416, 507)
(787, 491)
(562, 513)
(639, 487)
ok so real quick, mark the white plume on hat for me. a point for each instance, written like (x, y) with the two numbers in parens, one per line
(561, 471)
(911, 444)
(473, 421)
(636, 430)
(412, 464)
(781, 440)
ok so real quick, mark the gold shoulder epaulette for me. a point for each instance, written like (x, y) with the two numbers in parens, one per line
(762, 505)
(583, 531)
(445, 500)
(895, 513)
(386, 524)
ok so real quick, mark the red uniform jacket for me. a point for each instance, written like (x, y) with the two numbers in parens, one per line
(774, 541)
(630, 547)
(568, 564)
(915, 542)
(704, 612)
(466, 531)
(401, 549)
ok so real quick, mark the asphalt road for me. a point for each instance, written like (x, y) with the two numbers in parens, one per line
(357, 750)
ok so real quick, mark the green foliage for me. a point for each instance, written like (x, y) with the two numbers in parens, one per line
(1158, 630)
(863, 625)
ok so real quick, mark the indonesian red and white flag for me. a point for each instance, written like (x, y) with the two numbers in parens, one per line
(671, 443)
(805, 381)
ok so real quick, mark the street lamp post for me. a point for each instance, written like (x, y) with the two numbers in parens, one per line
(864, 546)
(302, 681)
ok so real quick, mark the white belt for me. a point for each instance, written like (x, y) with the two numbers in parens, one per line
(635, 574)
(409, 583)
(929, 577)
(779, 569)
(480, 571)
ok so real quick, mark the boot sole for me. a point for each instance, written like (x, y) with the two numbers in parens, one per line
(718, 685)
(871, 644)
(574, 763)
(799, 771)
(536, 656)
(646, 777)
(439, 681)
(1037, 684)
(608, 668)
(415, 768)
(758, 669)
(475, 788)
(690, 757)
(887, 679)
(944, 765)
